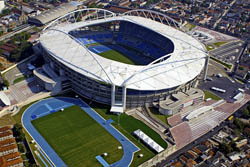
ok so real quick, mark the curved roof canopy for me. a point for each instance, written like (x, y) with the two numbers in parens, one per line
(183, 65)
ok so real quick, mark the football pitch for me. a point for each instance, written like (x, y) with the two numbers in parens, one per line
(116, 56)
(77, 138)
(108, 52)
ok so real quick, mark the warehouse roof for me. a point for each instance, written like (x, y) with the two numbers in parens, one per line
(54, 13)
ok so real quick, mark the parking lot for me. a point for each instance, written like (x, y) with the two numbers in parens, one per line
(223, 83)
(229, 52)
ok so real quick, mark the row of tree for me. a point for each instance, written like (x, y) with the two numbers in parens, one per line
(20, 138)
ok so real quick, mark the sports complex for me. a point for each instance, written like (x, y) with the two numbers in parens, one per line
(126, 60)
(76, 130)
(122, 61)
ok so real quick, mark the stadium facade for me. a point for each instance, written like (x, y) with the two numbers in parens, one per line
(167, 59)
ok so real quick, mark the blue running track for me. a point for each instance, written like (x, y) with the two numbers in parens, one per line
(47, 106)
(44, 156)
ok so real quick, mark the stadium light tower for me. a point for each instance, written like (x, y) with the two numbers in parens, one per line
(206, 67)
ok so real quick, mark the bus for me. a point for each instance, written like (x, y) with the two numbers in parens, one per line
(230, 118)
(218, 90)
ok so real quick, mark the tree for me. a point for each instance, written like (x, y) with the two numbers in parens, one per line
(226, 148)
(246, 113)
(27, 51)
(187, 1)
(21, 148)
(134, 5)
(247, 131)
(9, 30)
(248, 107)
(5, 12)
(1, 67)
(239, 124)
(6, 83)
(17, 127)
(93, 5)
(18, 132)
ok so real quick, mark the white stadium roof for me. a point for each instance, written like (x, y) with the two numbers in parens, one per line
(184, 64)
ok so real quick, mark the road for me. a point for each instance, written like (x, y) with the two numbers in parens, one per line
(241, 54)
(225, 12)
(15, 32)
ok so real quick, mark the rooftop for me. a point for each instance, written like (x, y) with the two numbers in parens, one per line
(7, 142)
(184, 64)
(6, 148)
(5, 128)
(4, 134)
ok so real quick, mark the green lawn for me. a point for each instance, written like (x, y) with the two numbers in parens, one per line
(163, 118)
(211, 95)
(19, 80)
(209, 47)
(17, 118)
(77, 138)
(229, 66)
(127, 125)
(218, 44)
(116, 56)
(189, 26)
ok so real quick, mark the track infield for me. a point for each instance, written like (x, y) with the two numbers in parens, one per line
(67, 132)
(77, 138)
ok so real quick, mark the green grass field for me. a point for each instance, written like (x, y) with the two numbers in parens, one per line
(218, 44)
(18, 80)
(77, 138)
(127, 125)
(163, 118)
(116, 56)
(210, 47)
(211, 95)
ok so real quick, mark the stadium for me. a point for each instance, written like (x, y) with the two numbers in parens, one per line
(124, 60)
